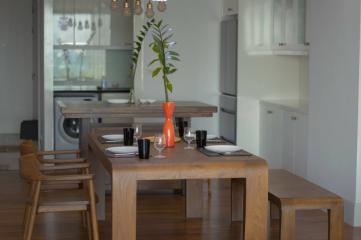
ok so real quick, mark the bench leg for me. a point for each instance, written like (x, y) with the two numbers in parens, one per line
(335, 223)
(287, 223)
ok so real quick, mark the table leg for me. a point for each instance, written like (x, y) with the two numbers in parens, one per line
(194, 198)
(237, 199)
(124, 203)
(335, 223)
(83, 136)
(288, 221)
(99, 182)
(255, 224)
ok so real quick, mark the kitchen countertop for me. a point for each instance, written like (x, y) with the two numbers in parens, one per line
(89, 89)
(292, 105)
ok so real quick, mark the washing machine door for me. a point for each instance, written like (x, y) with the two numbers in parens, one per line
(69, 129)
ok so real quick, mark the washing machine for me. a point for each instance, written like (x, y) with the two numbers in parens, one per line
(66, 130)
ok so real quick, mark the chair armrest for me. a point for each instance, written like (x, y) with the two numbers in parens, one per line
(65, 167)
(67, 177)
(42, 153)
(63, 160)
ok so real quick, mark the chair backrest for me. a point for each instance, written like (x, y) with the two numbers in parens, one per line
(30, 167)
(28, 147)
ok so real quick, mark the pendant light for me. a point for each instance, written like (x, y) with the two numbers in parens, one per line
(126, 9)
(138, 10)
(162, 6)
(149, 12)
(115, 4)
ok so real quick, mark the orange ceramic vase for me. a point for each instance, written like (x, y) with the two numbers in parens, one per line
(168, 128)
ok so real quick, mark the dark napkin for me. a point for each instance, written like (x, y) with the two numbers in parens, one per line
(240, 153)
(215, 141)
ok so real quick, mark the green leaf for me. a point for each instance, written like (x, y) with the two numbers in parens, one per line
(164, 27)
(156, 72)
(170, 86)
(171, 65)
(172, 71)
(155, 48)
(169, 37)
(140, 38)
(175, 58)
(153, 61)
(172, 53)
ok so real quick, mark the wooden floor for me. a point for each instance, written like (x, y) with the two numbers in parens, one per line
(160, 217)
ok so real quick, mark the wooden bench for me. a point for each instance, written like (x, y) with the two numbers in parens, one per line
(290, 193)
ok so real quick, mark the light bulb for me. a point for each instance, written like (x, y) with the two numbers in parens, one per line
(115, 4)
(150, 12)
(126, 9)
(162, 6)
(138, 7)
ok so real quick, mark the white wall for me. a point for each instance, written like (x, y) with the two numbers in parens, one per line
(334, 89)
(196, 24)
(264, 77)
(16, 95)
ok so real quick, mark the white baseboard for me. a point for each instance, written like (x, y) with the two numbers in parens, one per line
(352, 213)
(357, 215)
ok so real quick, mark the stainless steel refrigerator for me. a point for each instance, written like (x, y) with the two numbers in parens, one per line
(228, 82)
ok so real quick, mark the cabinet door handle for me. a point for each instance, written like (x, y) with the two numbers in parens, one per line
(229, 9)
(282, 44)
(307, 44)
(269, 112)
(293, 118)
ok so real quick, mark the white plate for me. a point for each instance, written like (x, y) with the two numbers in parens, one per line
(223, 148)
(211, 137)
(118, 101)
(122, 150)
(113, 137)
(147, 101)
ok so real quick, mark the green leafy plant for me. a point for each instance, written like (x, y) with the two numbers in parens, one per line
(161, 46)
(138, 43)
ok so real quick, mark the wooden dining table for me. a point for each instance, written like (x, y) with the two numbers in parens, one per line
(87, 110)
(248, 174)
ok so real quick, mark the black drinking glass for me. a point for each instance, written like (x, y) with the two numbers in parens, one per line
(144, 148)
(201, 138)
(128, 136)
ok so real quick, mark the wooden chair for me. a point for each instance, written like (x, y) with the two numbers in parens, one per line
(81, 201)
(56, 166)
(28, 147)
(290, 193)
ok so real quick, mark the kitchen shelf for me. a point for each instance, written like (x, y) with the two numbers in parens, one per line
(93, 47)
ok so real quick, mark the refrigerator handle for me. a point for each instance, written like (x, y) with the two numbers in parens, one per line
(228, 111)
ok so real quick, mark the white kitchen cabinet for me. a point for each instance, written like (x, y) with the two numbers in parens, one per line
(230, 7)
(271, 135)
(295, 143)
(283, 138)
(277, 27)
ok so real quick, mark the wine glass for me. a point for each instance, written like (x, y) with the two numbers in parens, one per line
(159, 144)
(137, 132)
(188, 137)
